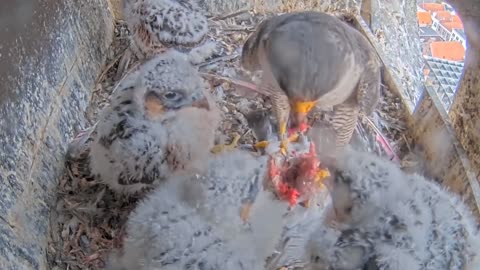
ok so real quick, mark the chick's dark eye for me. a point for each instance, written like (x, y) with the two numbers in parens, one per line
(171, 95)
(348, 210)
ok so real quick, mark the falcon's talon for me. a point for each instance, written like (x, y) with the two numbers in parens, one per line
(283, 147)
(222, 147)
(262, 144)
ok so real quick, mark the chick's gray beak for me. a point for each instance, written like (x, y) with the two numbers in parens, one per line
(201, 103)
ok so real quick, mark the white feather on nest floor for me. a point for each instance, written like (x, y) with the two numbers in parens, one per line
(89, 218)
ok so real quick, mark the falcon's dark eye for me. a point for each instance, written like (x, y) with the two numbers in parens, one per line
(171, 95)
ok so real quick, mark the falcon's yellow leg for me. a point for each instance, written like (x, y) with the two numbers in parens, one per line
(281, 107)
(262, 144)
(283, 140)
(222, 147)
(293, 137)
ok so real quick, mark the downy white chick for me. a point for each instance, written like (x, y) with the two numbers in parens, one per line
(310, 243)
(157, 25)
(387, 220)
(160, 121)
(413, 223)
(196, 222)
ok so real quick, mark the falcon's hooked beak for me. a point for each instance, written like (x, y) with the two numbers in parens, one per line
(201, 103)
(300, 110)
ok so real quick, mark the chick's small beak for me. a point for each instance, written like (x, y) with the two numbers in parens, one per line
(201, 103)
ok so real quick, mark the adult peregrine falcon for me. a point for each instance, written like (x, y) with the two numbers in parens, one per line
(314, 59)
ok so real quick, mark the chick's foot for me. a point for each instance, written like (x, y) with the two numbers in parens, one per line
(226, 147)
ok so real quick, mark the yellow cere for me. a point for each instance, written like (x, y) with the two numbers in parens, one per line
(303, 107)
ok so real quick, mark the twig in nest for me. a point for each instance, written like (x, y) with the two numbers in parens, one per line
(93, 257)
(130, 70)
(248, 85)
(220, 59)
(109, 66)
(406, 142)
(124, 62)
(231, 15)
(246, 132)
(244, 29)
(383, 141)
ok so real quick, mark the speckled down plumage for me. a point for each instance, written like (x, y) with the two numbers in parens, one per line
(194, 222)
(160, 24)
(412, 222)
(134, 148)
(384, 217)
(309, 243)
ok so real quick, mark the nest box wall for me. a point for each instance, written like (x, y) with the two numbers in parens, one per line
(464, 112)
(51, 52)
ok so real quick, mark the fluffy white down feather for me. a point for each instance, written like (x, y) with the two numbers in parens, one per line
(175, 21)
(128, 142)
(194, 222)
(399, 221)
(310, 243)
(412, 222)
(202, 52)
(157, 23)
